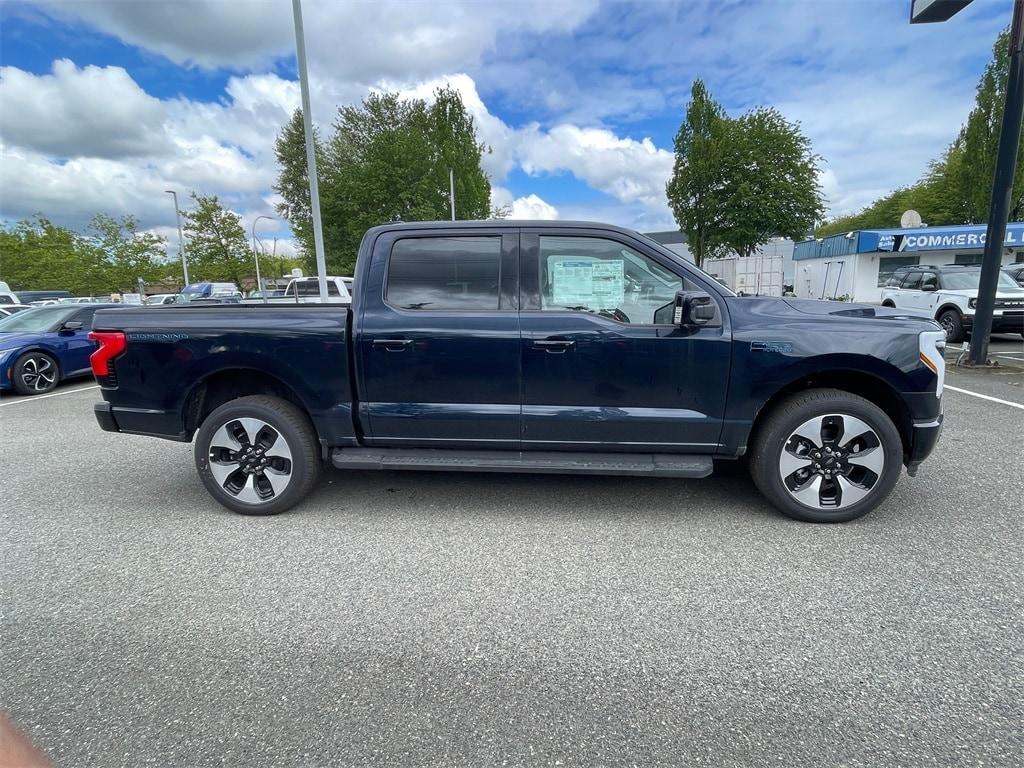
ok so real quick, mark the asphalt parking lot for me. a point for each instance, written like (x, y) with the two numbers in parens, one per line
(434, 619)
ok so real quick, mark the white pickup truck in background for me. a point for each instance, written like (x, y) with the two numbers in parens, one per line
(306, 290)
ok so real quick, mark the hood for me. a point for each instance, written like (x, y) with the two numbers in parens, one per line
(844, 309)
(15, 340)
(972, 293)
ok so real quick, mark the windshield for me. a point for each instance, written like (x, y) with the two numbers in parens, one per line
(968, 281)
(195, 291)
(722, 287)
(38, 320)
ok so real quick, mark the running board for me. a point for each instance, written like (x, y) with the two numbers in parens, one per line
(550, 462)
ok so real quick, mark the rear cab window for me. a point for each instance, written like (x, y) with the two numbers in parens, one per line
(445, 273)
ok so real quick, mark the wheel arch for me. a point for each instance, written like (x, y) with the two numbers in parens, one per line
(947, 306)
(856, 382)
(226, 384)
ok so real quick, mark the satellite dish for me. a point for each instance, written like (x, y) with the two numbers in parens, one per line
(910, 219)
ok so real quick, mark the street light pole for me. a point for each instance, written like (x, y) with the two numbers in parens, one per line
(1002, 191)
(256, 255)
(451, 191)
(307, 127)
(181, 239)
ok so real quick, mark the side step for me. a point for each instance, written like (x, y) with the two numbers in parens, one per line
(549, 462)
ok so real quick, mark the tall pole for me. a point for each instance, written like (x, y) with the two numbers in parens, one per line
(307, 127)
(255, 253)
(451, 191)
(1002, 190)
(181, 239)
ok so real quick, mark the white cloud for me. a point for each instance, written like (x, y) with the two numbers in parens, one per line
(72, 112)
(629, 170)
(359, 41)
(529, 207)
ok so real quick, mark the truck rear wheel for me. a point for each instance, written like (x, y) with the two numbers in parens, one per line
(826, 456)
(257, 455)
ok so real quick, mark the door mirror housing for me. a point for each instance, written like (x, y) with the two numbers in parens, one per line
(930, 288)
(71, 326)
(693, 308)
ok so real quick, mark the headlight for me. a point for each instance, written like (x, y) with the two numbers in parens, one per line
(972, 303)
(932, 353)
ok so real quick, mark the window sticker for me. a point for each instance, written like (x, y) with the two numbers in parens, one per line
(594, 284)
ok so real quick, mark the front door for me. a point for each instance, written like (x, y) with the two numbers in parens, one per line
(603, 368)
(439, 340)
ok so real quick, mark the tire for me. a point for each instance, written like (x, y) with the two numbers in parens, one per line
(272, 477)
(869, 463)
(35, 373)
(953, 325)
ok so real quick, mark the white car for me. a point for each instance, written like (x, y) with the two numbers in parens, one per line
(949, 294)
(164, 298)
(6, 310)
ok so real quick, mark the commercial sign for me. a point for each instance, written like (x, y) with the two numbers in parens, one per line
(945, 239)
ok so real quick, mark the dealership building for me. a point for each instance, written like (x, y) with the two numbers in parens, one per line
(857, 264)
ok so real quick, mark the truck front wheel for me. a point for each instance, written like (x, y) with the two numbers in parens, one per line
(257, 455)
(826, 456)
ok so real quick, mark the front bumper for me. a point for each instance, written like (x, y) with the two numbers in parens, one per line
(923, 439)
(1007, 322)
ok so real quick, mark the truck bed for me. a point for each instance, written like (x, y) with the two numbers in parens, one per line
(179, 356)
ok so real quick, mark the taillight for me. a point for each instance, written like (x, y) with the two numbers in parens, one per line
(111, 344)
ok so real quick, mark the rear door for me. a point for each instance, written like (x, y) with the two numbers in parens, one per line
(439, 340)
(603, 368)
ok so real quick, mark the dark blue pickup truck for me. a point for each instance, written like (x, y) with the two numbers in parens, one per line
(531, 347)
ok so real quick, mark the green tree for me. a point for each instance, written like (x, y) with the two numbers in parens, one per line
(217, 248)
(979, 139)
(386, 158)
(772, 184)
(738, 182)
(127, 253)
(39, 255)
(696, 191)
(957, 187)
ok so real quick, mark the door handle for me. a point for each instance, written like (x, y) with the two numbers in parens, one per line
(392, 345)
(555, 346)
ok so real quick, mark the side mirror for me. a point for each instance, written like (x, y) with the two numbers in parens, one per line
(693, 308)
(930, 288)
(71, 326)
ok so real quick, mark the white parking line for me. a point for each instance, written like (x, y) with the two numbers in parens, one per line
(984, 397)
(34, 398)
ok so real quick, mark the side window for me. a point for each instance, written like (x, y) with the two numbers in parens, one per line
(889, 266)
(312, 288)
(84, 317)
(896, 279)
(929, 279)
(444, 273)
(590, 274)
(911, 282)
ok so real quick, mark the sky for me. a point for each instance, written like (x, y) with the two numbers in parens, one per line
(105, 104)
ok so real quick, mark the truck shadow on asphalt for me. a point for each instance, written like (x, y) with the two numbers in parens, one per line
(439, 494)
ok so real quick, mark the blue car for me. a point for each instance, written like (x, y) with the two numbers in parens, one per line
(42, 346)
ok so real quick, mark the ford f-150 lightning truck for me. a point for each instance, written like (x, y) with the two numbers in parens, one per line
(505, 346)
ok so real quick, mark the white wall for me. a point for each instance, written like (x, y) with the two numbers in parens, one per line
(753, 275)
